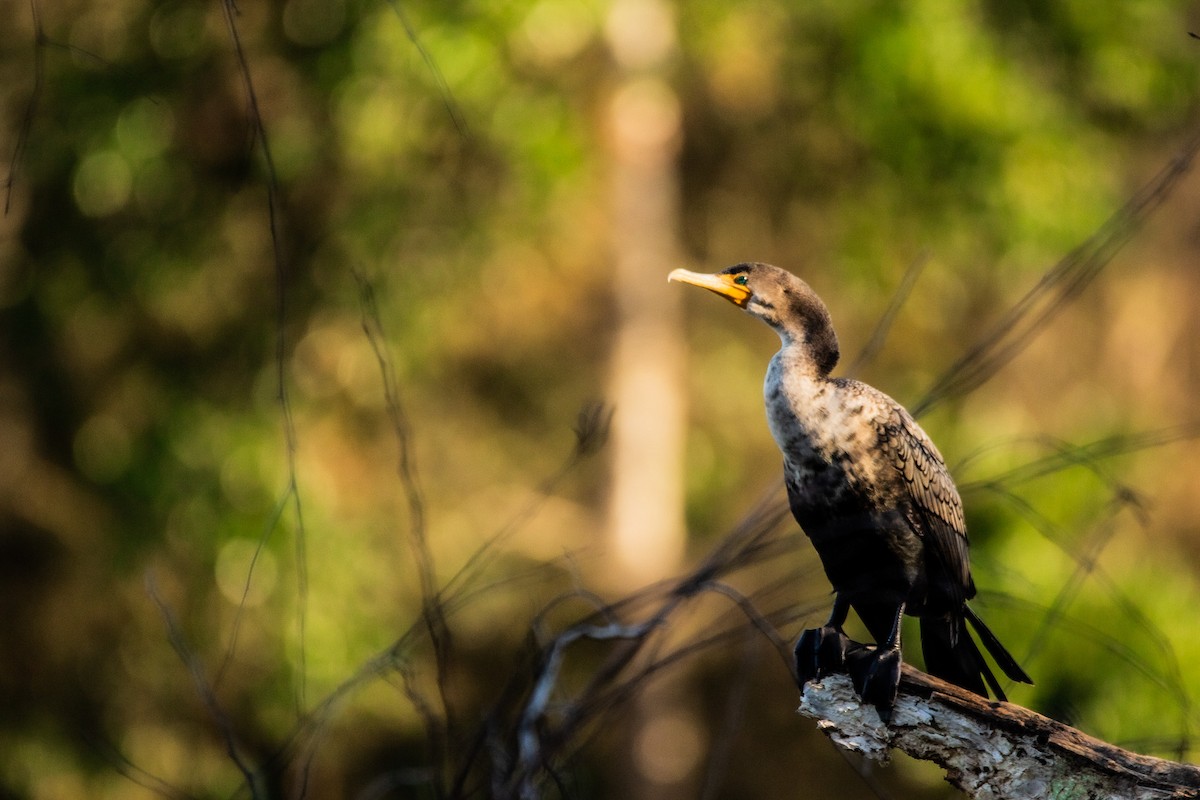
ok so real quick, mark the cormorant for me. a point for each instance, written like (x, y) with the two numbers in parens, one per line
(872, 493)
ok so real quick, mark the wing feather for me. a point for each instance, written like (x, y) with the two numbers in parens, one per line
(938, 512)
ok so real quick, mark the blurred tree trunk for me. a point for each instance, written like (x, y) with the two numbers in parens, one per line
(645, 512)
(645, 521)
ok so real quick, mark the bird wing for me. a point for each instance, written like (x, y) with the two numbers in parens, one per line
(934, 499)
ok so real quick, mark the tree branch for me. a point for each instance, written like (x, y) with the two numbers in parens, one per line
(991, 749)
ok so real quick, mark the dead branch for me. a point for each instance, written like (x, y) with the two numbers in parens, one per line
(991, 749)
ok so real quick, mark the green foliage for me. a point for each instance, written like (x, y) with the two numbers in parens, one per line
(457, 156)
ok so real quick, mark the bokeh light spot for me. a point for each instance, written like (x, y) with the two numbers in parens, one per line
(554, 31)
(144, 129)
(669, 748)
(103, 184)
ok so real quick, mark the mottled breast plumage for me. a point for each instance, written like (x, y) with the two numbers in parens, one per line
(850, 450)
(825, 429)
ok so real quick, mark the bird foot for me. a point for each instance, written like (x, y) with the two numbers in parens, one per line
(877, 679)
(820, 652)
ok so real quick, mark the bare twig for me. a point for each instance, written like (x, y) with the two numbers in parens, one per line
(39, 73)
(268, 529)
(451, 105)
(1057, 286)
(439, 726)
(591, 433)
(1065, 455)
(222, 721)
(135, 774)
(529, 756)
(884, 325)
(274, 217)
(41, 42)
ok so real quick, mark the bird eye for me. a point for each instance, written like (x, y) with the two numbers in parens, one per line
(741, 280)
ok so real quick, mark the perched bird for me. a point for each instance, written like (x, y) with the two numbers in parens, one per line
(872, 493)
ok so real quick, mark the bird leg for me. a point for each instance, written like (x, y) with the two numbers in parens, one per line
(822, 651)
(877, 679)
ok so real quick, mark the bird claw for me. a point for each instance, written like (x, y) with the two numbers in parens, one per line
(820, 652)
(877, 680)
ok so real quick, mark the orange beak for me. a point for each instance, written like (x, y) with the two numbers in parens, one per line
(718, 283)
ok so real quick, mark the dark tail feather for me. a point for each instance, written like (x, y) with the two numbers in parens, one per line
(951, 654)
(1003, 658)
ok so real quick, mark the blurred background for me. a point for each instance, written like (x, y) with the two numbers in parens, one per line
(302, 302)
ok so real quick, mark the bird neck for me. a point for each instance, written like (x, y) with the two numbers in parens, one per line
(798, 358)
(806, 332)
(808, 348)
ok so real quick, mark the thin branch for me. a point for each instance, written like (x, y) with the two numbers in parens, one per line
(292, 490)
(1065, 455)
(530, 757)
(591, 433)
(884, 326)
(202, 686)
(1058, 286)
(1087, 567)
(132, 772)
(406, 468)
(439, 727)
(451, 105)
(272, 524)
(39, 76)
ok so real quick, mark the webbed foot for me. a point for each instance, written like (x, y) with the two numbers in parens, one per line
(820, 652)
(877, 679)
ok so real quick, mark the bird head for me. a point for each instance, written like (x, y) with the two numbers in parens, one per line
(778, 298)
